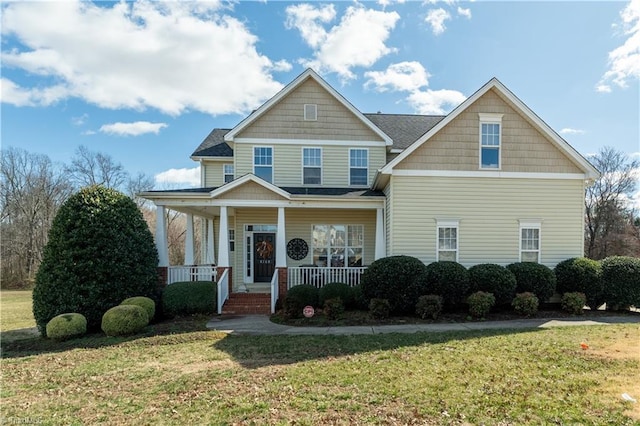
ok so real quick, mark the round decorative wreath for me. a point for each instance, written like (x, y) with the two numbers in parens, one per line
(297, 249)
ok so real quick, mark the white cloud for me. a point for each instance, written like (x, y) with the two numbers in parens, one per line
(385, 3)
(624, 61)
(436, 18)
(435, 101)
(282, 66)
(190, 177)
(136, 128)
(464, 12)
(80, 120)
(358, 40)
(570, 131)
(408, 76)
(170, 56)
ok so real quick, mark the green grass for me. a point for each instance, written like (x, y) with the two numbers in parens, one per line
(15, 312)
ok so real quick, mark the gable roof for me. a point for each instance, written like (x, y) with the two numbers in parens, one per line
(404, 129)
(214, 145)
(249, 178)
(307, 74)
(589, 170)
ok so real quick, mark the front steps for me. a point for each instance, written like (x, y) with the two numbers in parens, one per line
(247, 304)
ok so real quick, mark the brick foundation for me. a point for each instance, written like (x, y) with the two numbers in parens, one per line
(163, 276)
(282, 282)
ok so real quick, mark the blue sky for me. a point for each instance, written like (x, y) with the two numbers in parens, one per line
(145, 82)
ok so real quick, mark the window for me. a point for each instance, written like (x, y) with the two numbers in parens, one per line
(311, 166)
(358, 167)
(227, 173)
(490, 140)
(338, 245)
(530, 241)
(263, 162)
(310, 112)
(232, 240)
(447, 245)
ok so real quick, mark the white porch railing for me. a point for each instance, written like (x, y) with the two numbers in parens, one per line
(223, 289)
(191, 273)
(319, 277)
(274, 291)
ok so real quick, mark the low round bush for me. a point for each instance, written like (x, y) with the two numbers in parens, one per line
(189, 297)
(534, 278)
(581, 275)
(399, 279)
(379, 308)
(573, 302)
(333, 308)
(144, 302)
(66, 326)
(449, 280)
(429, 306)
(480, 303)
(336, 290)
(359, 301)
(298, 297)
(525, 304)
(621, 280)
(123, 320)
(494, 279)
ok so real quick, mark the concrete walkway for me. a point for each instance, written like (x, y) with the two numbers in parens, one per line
(261, 325)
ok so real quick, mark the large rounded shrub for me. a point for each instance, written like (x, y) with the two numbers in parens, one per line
(449, 280)
(144, 302)
(494, 279)
(581, 275)
(621, 279)
(189, 297)
(66, 326)
(99, 252)
(122, 320)
(298, 297)
(399, 279)
(336, 290)
(534, 278)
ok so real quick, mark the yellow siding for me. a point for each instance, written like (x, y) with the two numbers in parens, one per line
(488, 210)
(213, 173)
(285, 120)
(250, 191)
(456, 146)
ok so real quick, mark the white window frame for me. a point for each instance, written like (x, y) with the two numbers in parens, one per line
(345, 246)
(446, 224)
(273, 169)
(360, 168)
(232, 240)
(486, 118)
(530, 224)
(225, 173)
(310, 112)
(304, 166)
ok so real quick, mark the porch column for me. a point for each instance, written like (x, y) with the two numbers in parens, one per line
(210, 250)
(281, 249)
(381, 249)
(161, 237)
(223, 239)
(188, 242)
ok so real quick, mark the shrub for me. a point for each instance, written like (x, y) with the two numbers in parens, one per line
(379, 308)
(582, 275)
(573, 302)
(122, 320)
(189, 297)
(494, 279)
(99, 252)
(480, 303)
(525, 303)
(334, 308)
(359, 301)
(66, 326)
(333, 290)
(144, 302)
(621, 280)
(399, 279)
(297, 298)
(429, 306)
(535, 278)
(448, 279)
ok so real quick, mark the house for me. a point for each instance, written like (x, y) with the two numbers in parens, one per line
(308, 189)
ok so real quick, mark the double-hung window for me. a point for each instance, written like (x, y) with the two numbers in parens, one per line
(338, 245)
(311, 166)
(358, 167)
(530, 241)
(447, 244)
(490, 141)
(263, 162)
(227, 172)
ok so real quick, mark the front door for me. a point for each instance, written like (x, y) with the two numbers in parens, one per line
(264, 255)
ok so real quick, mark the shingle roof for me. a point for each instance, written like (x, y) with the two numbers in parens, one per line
(333, 191)
(214, 145)
(404, 129)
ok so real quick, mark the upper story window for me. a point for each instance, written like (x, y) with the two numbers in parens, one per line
(447, 248)
(311, 166)
(310, 112)
(358, 167)
(490, 140)
(530, 241)
(263, 162)
(227, 173)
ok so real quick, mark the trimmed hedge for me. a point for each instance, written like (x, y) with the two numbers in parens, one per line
(621, 281)
(359, 301)
(336, 290)
(480, 303)
(429, 306)
(123, 320)
(189, 297)
(449, 280)
(573, 303)
(333, 308)
(298, 297)
(534, 278)
(144, 302)
(399, 279)
(525, 303)
(66, 326)
(379, 308)
(581, 275)
(494, 279)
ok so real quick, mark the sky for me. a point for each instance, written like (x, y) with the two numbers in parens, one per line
(145, 82)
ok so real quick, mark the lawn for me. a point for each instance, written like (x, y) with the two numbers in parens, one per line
(16, 310)
(179, 373)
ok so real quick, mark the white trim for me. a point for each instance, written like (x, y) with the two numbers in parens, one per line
(309, 117)
(447, 223)
(490, 117)
(162, 244)
(349, 166)
(273, 169)
(248, 252)
(205, 158)
(380, 249)
(202, 174)
(530, 224)
(346, 245)
(317, 202)
(486, 118)
(313, 142)
(303, 166)
(395, 151)
(244, 179)
(488, 174)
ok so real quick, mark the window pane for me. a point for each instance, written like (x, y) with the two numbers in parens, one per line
(530, 256)
(490, 158)
(312, 175)
(490, 134)
(262, 156)
(312, 157)
(447, 255)
(358, 158)
(355, 257)
(358, 177)
(356, 235)
(264, 172)
(447, 238)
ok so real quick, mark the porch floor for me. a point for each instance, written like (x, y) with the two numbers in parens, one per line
(259, 288)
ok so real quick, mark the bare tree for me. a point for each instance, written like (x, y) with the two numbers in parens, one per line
(96, 168)
(137, 184)
(608, 213)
